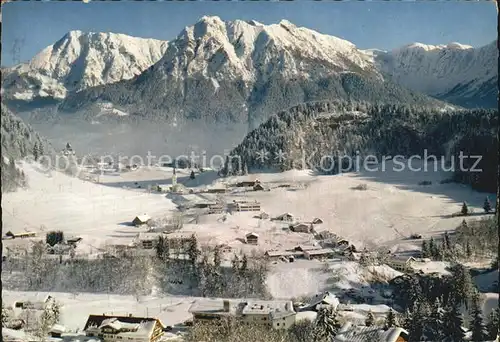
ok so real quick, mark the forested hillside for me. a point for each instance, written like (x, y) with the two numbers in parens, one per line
(19, 141)
(305, 134)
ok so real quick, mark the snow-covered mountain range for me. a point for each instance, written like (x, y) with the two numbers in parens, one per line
(456, 73)
(244, 70)
(80, 60)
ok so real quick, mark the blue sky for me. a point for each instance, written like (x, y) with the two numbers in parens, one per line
(374, 24)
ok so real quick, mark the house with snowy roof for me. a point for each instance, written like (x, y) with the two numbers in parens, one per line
(353, 333)
(141, 219)
(275, 314)
(120, 328)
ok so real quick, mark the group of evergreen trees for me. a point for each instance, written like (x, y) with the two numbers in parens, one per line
(473, 239)
(433, 307)
(207, 274)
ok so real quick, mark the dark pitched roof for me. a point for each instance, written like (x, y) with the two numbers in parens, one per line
(96, 320)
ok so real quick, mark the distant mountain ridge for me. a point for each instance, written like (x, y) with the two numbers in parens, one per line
(234, 71)
(78, 61)
(244, 71)
(455, 73)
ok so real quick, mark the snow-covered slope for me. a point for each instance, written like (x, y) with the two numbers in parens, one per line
(457, 73)
(243, 70)
(80, 60)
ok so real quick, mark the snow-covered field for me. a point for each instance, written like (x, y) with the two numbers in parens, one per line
(97, 213)
(393, 207)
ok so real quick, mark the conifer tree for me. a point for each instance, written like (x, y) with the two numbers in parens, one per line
(326, 323)
(416, 323)
(160, 252)
(465, 209)
(390, 320)
(468, 250)
(454, 322)
(493, 324)
(36, 151)
(425, 249)
(5, 315)
(446, 240)
(193, 251)
(370, 319)
(192, 176)
(434, 325)
(487, 205)
(479, 331)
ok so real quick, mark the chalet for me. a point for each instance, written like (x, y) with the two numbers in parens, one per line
(276, 255)
(401, 263)
(262, 216)
(258, 187)
(247, 184)
(303, 248)
(217, 191)
(252, 238)
(216, 208)
(317, 221)
(324, 253)
(342, 243)
(57, 330)
(245, 206)
(148, 240)
(204, 205)
(73, 241)
(140, 220)
(284, 217)
(121, 328)
(20, 235)
(301, 228)
(275, 314)
(224, 248)
(179, 242)
(352, 333)
(322, 299)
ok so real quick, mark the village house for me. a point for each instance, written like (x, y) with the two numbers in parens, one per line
(324, 298)
(148, 240)
(252, 238)
(57, 330)
(277, 255)
(22, 235)
(247, 184)
(258, 187)
(301, 228)
(317, 220)
(324, 253)
(179, 242)
(225, 248)
(353, 333)
(204, 205)
(401, 263)
(262, 216)
(275, 314)
(216, 208)
(217, 190)
(284, 217)
(303, 248)
(124, 328)
(73, 241)
(245, 206)
(140, 220)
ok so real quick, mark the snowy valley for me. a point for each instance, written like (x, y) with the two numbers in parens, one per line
(248, 220)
